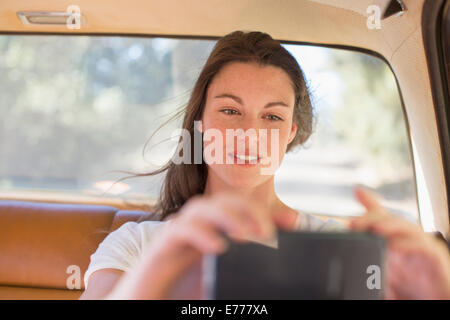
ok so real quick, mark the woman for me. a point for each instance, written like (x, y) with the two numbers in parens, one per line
(248, 82)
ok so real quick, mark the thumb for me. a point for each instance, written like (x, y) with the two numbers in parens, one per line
(369, 200)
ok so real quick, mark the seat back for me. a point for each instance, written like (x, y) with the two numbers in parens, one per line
(45, 248)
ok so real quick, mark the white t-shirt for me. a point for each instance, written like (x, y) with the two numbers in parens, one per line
(121, 249)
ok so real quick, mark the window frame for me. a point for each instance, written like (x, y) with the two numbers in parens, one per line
(433, 36)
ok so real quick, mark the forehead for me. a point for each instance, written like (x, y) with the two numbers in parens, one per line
(250, 80)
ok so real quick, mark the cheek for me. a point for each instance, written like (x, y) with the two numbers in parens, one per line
(214, 126)
(282, 141)
(212, 121)
(214, 141)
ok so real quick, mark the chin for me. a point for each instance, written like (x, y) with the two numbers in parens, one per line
(243, 179)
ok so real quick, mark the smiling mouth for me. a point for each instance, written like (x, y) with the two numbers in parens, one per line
(246, 159)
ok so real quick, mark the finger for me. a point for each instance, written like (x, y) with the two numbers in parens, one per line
(227, 221)
(387, 226)
(392, 281)
(394, 273)
(392, 288)
(403, 247)
(389, 293)
(234, 222)
(200, 236)
(165, 268)
(394, 263)
(249, 209)
(396, 227)
(369, 200)
(364, 223)
(251, 226)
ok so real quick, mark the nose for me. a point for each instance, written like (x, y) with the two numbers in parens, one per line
(249, 135)
(248, 138)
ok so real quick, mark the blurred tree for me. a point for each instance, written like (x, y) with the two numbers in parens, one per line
(76, 107)
(370, 116)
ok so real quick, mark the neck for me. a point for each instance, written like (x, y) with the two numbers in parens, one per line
(263, 193)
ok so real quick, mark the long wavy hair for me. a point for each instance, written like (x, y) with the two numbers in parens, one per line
(182, 181)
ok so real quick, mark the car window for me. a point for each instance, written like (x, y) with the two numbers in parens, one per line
(78, 110)
(361, 137)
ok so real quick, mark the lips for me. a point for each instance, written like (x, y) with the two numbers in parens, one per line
(244, 159)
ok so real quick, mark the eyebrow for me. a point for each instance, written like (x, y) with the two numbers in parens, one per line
(239, 100)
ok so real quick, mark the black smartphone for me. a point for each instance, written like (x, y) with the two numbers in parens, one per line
(303, 265)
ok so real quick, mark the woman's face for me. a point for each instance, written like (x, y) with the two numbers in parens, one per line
(247, 96)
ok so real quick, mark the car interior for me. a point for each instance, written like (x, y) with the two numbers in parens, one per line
(44, 235)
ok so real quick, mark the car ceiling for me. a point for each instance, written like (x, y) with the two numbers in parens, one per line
(328, 22)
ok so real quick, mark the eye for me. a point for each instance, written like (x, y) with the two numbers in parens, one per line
(273, 117)
(229, 111)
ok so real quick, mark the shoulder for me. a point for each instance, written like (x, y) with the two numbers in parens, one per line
(309, 222)
(122, 248)
(132, 235)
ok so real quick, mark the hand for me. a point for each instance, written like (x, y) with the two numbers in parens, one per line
(171, 266)
(418, 264)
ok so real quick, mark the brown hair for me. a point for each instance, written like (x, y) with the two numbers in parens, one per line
(184, 180)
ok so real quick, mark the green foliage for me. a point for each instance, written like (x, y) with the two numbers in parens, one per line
(371, 117)
(75, 107)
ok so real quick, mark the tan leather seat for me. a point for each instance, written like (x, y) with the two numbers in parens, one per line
(42, 245)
